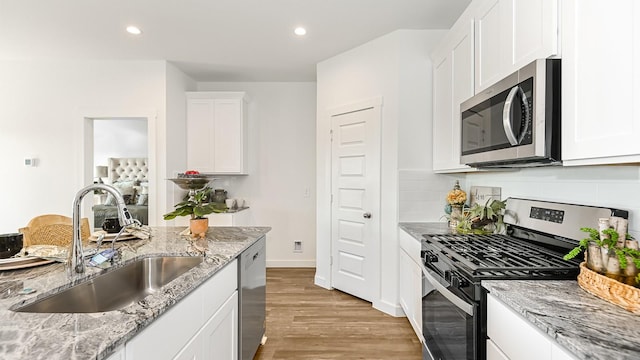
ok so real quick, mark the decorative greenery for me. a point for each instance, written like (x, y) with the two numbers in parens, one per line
(608, 242)
(483, 219)
(195, 206)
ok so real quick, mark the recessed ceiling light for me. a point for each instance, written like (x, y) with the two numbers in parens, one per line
(134, 30)
(300, 31)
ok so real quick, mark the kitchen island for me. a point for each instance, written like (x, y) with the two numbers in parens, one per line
(98, 335)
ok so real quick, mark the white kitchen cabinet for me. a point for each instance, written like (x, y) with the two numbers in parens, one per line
(184, 330)
(510, 34)
(512, 337)
(453, 69)
(600, 82)
(119, 354)
(410, 282)
(217, 132)
(218, 338)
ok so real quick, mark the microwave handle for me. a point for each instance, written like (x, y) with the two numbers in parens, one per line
(506, 115)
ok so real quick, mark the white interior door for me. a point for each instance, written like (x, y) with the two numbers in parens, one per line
(355, 188)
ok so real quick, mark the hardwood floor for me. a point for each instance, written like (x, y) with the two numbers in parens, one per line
(305, 321)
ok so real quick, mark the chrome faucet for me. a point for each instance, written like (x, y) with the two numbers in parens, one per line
(76, 258)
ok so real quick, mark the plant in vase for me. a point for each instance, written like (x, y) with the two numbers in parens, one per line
(607, 254)
(196, 207)
(455, 203)
(483, 219)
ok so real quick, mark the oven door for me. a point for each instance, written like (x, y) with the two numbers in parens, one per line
(448, 322)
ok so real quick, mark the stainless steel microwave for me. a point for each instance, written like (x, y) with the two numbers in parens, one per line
(516, 122)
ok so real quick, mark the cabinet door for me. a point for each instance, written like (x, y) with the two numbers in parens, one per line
(511, 34)
(228, 140)
(220, 333)
(452, 84)
(200, 134)
(489, 35)
(493, 352)
(513, 335)
(217, 132)
(600, 82)
(534, 31)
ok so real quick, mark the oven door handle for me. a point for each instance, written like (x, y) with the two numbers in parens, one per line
(458, 302)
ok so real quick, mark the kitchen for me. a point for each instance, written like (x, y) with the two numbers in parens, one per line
(65, 90)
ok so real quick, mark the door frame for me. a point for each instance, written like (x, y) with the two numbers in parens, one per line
(84, 154)
(375, 104)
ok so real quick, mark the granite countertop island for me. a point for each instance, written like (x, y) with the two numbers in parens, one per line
(96, 335)
(588, 327)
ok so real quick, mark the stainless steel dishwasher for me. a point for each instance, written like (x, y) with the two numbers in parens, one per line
(252, 296)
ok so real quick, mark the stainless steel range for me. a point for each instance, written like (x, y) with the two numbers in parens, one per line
(539, 233)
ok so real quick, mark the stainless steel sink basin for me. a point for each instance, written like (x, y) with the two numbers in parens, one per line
(116, 289)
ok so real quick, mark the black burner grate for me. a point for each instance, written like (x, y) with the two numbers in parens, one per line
(501, 256)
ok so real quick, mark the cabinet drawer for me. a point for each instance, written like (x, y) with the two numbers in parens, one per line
(515, 336)
(410, 245)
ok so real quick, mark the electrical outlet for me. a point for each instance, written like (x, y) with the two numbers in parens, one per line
(297, 246)
(307, 192)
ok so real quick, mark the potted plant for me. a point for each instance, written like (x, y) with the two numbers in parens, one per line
(195, 207)
(483, 219)
(608, 254)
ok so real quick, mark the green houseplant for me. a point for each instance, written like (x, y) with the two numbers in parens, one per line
(196, 207)
(483, 218)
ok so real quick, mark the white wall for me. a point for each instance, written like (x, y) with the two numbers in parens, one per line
(280, 187)
(612, 186)
(396, 67)
(119, 138)
(174, 135)
(43, 104)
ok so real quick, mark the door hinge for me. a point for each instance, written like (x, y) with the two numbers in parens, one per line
(332, 198)
(330, 260)
(331, 135)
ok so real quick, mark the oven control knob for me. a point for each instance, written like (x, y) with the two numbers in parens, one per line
(458, 282)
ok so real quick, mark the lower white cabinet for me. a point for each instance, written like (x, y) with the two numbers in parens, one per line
(218, 337)
(118, 354)
(204, 320)
(410, 281)
(512, 337)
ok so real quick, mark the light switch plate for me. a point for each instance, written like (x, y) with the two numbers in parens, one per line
(481, 194)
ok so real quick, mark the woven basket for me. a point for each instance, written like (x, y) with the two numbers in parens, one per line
(615, 292)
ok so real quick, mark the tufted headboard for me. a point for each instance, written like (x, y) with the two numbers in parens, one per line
(124, 169)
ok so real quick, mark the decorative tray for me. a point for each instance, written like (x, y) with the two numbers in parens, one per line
(613, 291)
(22, 262)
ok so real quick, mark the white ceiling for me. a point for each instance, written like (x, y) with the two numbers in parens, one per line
(212, 40)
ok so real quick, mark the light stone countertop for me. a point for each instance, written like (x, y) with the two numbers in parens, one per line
(588, 327)
(97, 335)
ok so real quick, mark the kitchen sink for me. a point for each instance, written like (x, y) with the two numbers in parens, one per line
(117, 288)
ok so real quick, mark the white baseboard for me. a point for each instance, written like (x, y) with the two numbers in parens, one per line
(322, 282)
(388, 308)
(291, 263)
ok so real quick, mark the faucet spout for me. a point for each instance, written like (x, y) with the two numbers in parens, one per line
(75, 262)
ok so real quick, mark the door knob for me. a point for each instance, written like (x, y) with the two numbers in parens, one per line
(367, 215)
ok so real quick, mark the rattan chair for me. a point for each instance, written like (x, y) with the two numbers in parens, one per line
(53, 230)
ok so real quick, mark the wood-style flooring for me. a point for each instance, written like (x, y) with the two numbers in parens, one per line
(305, 321)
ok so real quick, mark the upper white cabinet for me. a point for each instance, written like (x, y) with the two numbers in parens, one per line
(490, 40)
(600, 82)
(453, 69)
(510, 34)
(217, 132)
